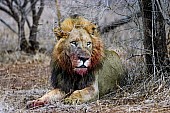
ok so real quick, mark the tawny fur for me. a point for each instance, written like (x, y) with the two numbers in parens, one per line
(79, 41)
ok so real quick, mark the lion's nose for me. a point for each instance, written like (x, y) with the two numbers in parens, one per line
(83, 58)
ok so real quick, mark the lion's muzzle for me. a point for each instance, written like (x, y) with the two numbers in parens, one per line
(83, 63)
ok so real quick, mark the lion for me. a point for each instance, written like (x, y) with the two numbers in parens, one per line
(82, 70)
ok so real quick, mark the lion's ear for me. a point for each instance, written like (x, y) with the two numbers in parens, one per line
(59, 33)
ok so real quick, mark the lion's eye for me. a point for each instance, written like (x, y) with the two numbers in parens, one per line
(74, 43)
(88, 44)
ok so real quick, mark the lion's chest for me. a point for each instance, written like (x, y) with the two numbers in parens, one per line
(69, 83)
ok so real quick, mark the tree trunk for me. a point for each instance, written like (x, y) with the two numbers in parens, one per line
(21, 33)
(36, 14)
(154, 38)
(33, 35)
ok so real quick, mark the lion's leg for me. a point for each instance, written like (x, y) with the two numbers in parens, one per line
(49, 97)
(84, 95)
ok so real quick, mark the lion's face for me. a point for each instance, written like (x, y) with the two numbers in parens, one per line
(79, 50)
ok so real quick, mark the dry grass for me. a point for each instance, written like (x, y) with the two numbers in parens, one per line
(27, 80)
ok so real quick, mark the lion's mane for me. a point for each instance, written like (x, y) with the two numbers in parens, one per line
(61, 62)
(60, 49)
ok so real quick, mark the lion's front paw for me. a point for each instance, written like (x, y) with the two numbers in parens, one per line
(35, 104)
(72, 101)
(74, 98)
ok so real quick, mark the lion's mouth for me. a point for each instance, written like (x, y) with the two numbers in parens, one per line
(82, 66)
(81, 70)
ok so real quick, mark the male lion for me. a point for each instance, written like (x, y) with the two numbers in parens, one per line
(81, 69)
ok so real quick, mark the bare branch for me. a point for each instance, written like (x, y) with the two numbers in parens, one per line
(28, 23)
(135, 55)
(25, 3)
(163, 12)
(40, 9)
(58, 13)
(5, 10)
(33, 9)
(118, 23)
(8, 26)
(11, 11)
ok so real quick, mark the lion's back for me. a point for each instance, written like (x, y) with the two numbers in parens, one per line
(111, 72)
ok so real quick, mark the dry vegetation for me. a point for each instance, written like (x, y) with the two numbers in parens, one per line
(25, 77)
(23, 81)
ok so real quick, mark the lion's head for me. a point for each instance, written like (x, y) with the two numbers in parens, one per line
(79, 48)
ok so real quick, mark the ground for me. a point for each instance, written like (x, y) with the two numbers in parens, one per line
(25, 81)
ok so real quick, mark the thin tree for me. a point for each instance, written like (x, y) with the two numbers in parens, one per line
(19, 10)
(154, 37)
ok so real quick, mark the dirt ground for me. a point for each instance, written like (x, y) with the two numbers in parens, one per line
(21, 82)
